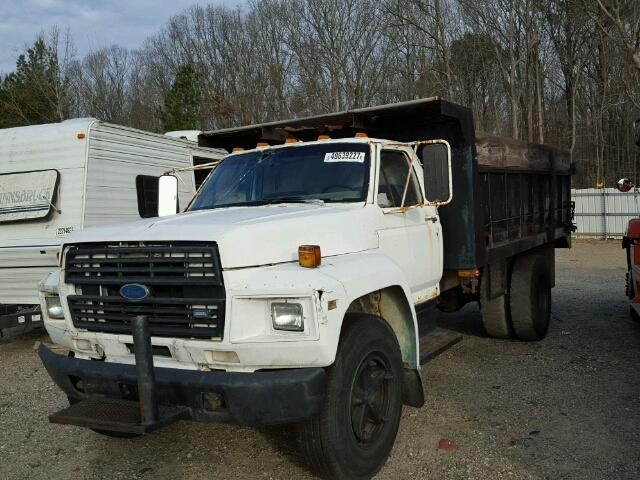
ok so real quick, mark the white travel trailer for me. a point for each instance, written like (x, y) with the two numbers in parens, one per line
(62, 177)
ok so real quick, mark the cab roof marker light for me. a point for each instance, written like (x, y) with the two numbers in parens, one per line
(361, 135)
(291, 140)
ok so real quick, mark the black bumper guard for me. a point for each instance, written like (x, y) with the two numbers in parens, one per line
(160, 396)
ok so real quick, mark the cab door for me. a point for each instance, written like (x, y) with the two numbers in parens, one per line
(410, 232)
(425, 232)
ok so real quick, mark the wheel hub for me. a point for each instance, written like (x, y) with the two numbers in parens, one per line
(370, 397)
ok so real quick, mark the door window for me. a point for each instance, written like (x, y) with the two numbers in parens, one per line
(394, 168)
(147, 190)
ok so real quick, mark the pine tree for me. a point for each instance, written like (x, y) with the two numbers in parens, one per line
(35, 92)
(181, 102)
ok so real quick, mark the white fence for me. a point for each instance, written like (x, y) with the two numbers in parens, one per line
(603, 212)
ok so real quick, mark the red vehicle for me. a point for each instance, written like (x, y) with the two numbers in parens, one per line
(631, 242)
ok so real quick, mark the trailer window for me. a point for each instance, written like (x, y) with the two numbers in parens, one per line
(147, 190)
(394, 168)
(27, 195)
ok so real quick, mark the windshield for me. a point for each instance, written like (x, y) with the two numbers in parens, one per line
(335, 172)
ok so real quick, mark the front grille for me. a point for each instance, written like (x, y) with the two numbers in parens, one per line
(167, 317)
(179, 263)
(187, 297)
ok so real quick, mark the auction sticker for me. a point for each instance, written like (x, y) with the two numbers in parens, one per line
(64, 231)
(357, 157)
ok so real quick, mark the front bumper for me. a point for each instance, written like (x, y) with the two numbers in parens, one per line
(254, 399)
(21, 319)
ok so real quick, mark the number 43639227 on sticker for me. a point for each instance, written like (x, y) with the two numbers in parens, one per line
(344, 157)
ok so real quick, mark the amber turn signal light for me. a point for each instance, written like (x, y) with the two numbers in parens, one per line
(469, 273)
(309, 256)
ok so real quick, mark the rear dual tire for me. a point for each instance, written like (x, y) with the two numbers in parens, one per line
(496, 314)
(525, 311)
(530, 298)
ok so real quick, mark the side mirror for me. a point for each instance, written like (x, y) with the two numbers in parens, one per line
(636, 131)
(167, 195)
(624, 185)
(436, 164)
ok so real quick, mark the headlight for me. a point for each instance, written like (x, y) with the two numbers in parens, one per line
(287, 316)
(54, 308)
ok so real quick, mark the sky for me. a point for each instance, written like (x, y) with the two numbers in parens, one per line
(93, 23)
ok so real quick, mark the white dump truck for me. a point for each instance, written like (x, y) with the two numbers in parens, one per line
(62, 177)
(292, 289)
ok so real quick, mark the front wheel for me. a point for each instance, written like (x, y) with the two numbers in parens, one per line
(353, 434)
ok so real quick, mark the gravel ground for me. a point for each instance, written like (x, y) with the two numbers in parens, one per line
(567, 407)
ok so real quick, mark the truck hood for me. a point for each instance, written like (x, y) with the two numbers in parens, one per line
(252, 236)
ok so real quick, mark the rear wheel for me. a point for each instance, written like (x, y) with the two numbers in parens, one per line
(352, 436)
(530, 297)
(496, 313)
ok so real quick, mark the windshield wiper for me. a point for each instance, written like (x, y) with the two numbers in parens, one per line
(293, 199)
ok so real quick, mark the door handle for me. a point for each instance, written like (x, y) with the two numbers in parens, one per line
(433, 219)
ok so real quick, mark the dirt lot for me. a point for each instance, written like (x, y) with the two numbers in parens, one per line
(567, 407)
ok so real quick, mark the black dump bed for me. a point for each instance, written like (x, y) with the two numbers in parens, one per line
(508, 196)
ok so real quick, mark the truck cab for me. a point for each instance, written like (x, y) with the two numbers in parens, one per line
(289, 290)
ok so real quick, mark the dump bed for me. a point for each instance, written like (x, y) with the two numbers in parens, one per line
(508, 196)
(526, 195)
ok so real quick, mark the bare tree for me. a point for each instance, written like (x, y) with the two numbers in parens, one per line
(569, 31)
(64, 50)
(624, 16)
(429, 23)
(340, 57)
(104, 83)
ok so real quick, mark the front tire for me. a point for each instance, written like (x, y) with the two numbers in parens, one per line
(355, 430)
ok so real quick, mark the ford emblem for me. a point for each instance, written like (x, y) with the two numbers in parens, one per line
(134, 292)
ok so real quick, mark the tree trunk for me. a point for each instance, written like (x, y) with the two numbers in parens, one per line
(540, 95)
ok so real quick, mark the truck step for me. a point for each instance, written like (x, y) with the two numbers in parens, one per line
(115, 416)
(436, 341)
